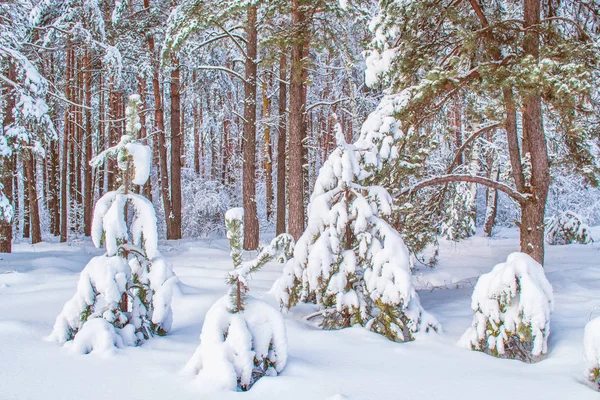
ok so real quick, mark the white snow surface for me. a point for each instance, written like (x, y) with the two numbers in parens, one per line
(353, 363)
(591, 348)
(142, 161)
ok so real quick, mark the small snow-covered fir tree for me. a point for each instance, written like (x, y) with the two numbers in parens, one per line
(459, 220)
(349, 260)
(129, 287)
(512, 306)
(591, 352)
(567, 228)
(242, 338)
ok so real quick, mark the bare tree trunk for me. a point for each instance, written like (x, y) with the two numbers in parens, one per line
(174, 219)
(8, 167)
(268, 151)
(64, 222)
(533, 209)
(143, 133)
(297, 107)
(249, 136)
(88, 205)
(197, 116)
(281, 145)
(34, 214)
(160, 134)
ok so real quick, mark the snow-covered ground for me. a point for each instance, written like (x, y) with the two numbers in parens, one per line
(35, 282)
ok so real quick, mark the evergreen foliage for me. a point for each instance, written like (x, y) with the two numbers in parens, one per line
(568, 228)
(350, 261)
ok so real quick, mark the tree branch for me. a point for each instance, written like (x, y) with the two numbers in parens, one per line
(217, 68)
(520, 197)
(467, 142)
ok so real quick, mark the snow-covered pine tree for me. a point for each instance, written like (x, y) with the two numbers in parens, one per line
(591, 353)
(243, 338)
(123, 296)
(512, 305)
(566, 228)
(349, 260)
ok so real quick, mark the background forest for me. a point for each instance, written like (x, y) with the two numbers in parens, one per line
(239, 102)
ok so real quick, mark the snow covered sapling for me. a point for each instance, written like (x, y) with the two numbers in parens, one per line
(568, 228)
(591, 352)
(350, 261)
(512, 306)
(130, 286)
(242, 338)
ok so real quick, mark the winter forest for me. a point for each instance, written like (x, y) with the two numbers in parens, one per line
(305, 199)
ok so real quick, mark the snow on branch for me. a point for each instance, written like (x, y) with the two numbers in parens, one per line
(520, 197)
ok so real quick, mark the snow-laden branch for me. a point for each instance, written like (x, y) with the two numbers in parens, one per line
(218, 68)
(234, 40)
(520, 197)
(327, 103)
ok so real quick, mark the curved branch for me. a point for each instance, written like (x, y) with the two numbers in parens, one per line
(471, 138)
(520, 197)
(217, 68)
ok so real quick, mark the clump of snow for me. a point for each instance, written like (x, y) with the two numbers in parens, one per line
(238, 348)
(566, 228)
(100, 337)
(142, 160)
(512, 306)
(591, 352)
(99, 290)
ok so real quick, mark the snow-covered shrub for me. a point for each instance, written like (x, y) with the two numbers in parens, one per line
(567, 228)
(130, 287)
(512, 306)
(204, 205)
(350, 261)
(242, 338)
(591, 352)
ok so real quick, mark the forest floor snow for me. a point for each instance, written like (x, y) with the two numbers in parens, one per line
(35, 282)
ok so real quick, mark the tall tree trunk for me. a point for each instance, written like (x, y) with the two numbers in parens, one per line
(8, 166)
(159, 143)
(174, 219)
(197, 116)
(88, 196)
(34, 214)
(533, 209)
(281, 145)
(268, 151)
(146, 190)
(296, 121)
(64, 176)
(249, 139)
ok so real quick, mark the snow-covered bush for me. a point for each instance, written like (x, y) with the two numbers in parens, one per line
(204, 205)
(129, 287)
(242, 338)
(512, 306)
(567, 228)
(350, 261)
(591, 352)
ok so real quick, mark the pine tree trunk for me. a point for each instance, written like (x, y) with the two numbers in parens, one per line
(249, 138)
(159, 143)
(8, 167)
(281, 145)
(196, 116)
(533, 209)
(174, 219)
(268, 151)
(146, 190)
(296, 121)
(88, 197)
(34, 214)
(64, 168)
